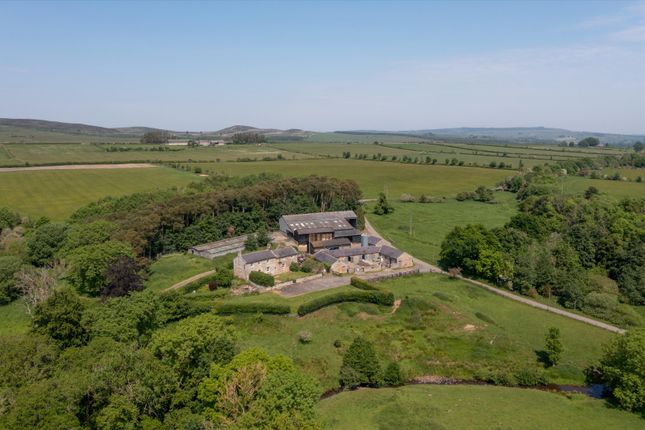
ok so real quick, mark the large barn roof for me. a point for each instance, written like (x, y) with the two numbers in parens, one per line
(319, 222)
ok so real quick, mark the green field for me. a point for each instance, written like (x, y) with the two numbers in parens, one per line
(615, 189)
(624, 172)
(431, 222)
(169, 269)
(58, 193)
(438, 330)
(36, 154)
(375, 176)
(469, 407)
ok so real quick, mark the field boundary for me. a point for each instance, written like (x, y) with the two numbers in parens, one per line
(87, 166)
(510, 295)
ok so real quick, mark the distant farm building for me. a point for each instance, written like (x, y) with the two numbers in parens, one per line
(219, 248)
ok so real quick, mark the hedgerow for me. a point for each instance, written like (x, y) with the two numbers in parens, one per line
(252, 308)
(376, 297)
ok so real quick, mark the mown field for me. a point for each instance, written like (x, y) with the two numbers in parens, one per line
(443, 327)
(36, 154)
(615, 189)
(469, 407)
(58, 193)
(374, 176)
(431, 222)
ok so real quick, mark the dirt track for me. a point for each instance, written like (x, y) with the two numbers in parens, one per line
(79, 167)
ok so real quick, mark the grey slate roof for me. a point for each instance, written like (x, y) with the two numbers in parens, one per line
(285, 251)
(254, 257)
(350, 252)
(325, 257)
(388, 251)
(373, 240)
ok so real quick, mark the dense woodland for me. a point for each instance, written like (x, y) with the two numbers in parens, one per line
(587, 251)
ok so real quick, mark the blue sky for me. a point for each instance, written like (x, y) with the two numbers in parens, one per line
(327, 65)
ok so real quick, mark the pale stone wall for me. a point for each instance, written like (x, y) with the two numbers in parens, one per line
(274, 266)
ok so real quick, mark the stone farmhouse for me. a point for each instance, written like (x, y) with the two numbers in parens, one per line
(367, 258)
(331, 238)
(323, 230)
(273, 262)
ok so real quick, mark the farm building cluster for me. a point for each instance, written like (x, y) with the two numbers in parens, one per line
(332, 238)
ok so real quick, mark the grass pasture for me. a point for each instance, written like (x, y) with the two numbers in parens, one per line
(14, 319)
(38, 154)
(468, 407)
(431, 222)
(58, 193)
(614, 189)
(169, 269)
(443, 327)
(375, 176)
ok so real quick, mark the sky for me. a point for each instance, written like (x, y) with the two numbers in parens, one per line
(326, 66)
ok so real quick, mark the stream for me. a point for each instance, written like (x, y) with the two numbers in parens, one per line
(595, 391)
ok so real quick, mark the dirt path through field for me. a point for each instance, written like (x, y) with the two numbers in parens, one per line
(189, 280)
(80, 167)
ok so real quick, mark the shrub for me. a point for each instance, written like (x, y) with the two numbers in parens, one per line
(304, 336)
(252, 308)
(294, 267)
(376, 297)
(553, 346)
(392, 375)
(530, 377)
(309, 265)
(465, 195)
(360, 365)
(407, 198)
(362, 284)
(338, 343)
(495, 377)
(195, 285)
(262, 278)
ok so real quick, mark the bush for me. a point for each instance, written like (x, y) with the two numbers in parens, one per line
(304, 336)
(407, 198)
(376, 297)
(252, 308)
(262, 278)
(530, 377)
(309, 265)
(360, 365)
(465, 195)
(338, 343)
(294, 267)
(392, 375)
(195, 285)
(496, 377)
(362, 284)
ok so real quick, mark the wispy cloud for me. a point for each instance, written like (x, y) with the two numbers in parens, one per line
(632, 34)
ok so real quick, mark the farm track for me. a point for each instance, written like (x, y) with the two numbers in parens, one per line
(507, 294)
(79, 167)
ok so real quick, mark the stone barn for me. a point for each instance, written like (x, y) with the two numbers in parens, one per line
(272, 262)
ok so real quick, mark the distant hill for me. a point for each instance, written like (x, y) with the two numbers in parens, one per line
(514, 134)
(43, 131)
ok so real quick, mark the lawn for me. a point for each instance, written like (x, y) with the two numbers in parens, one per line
(169, 269)
(443, 327)
(468, 407)
(431, 222)
(57, 194)
(375, 176)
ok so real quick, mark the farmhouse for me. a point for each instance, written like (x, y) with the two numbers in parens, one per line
(322, 230)
(272, 262)
(364, 259)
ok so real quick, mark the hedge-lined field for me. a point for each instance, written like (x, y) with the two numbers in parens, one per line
(41, 153)
(58, 193)
(375, 176)
(468, 407)
(442, 327)
(431, 222)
